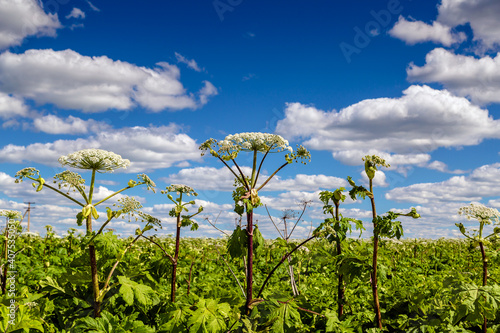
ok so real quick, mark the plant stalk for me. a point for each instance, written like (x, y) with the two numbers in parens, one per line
(376, 303)
(176, 256)
(249, 291)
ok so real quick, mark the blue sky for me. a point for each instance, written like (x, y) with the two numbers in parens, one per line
(417, 82)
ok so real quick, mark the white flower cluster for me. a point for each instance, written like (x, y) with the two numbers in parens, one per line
(128, 204)
(179, 188)
(69, 179)
(26, 172)
(94, 159)
(479, 212)
(254, 141)
(30, 234)
(11, 214)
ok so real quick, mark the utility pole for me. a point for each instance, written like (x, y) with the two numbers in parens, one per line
(28, 210)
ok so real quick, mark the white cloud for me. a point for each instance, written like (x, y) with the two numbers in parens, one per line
(22, 18)
(482, 182)
(11, 106)
(482, 15)
(190, 63)
(441, 166)
(413, 32)
(93, 84)
(147, 148)
(420, 121)
(478, 79)
(76, 13)
(71, 125)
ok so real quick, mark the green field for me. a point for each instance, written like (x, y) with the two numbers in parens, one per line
(424, 286)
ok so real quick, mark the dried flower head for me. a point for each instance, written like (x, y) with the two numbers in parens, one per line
(94, 159)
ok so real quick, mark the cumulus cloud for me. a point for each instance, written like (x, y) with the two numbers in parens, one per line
(481, 183)
(477, 79)
(147, 148)
(11, 107)
(52, 124)
(70, 80)
(441, 166)
(22, 18)
(420, 121)
(413, 32)
(481, 15)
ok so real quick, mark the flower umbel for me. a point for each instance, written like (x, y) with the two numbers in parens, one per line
(94, 159)
(69, 179)
(480, 212)
(253, 141)
(11, 214)
(25, 173)
(180, 188)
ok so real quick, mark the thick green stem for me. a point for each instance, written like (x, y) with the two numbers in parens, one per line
(249, 291)
(340, 288)
(254, 166)
(176, 256)
(91, 191)
(376, 303)
(93, 271)
(485, 277)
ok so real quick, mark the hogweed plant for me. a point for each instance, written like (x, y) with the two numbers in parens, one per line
(95, 161)
(13, 219)
(181, 221)
(383, 226)
(485, 216)
(246, 195)
(335, 229)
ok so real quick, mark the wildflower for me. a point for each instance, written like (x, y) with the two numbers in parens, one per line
(25, 173)
(11, 214)
(252, 141)
(95, 159)
(69, 179)
(180, 188)
(479, 212)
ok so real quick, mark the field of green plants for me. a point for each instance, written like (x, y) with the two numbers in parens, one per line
(425, 286)
(329, 282)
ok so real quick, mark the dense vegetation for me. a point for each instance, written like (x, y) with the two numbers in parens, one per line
(425, 286)
(98, 282)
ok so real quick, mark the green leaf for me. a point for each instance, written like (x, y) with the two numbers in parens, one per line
(258, 240)
(237, 243)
